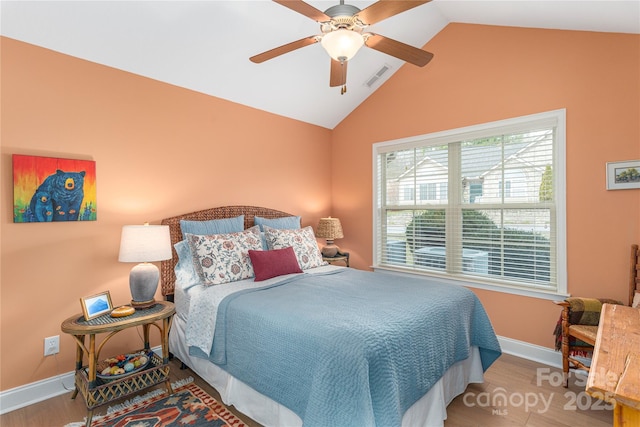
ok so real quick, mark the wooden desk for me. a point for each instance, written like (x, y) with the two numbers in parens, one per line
(615, 367)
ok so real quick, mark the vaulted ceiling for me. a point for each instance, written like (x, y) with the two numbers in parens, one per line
(205, 45)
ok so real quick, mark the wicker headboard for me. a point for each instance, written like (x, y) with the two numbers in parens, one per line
(167, 273)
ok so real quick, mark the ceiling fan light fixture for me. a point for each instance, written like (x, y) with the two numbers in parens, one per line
(342, 44)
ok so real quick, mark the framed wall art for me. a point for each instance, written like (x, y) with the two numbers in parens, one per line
(96, 305)
(623, 175)
(50, 189)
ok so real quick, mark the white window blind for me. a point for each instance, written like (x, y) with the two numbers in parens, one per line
(483, 203)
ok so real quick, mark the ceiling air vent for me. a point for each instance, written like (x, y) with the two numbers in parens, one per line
(377, 76)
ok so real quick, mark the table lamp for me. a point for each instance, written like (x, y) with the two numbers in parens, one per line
(330, 229)
(144, 244)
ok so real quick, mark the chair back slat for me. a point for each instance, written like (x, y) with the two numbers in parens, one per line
(634, 273)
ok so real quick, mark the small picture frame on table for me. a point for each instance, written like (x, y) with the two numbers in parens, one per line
(623, 175)
(96, 305)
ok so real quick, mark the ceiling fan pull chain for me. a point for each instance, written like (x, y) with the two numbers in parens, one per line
(343, 67)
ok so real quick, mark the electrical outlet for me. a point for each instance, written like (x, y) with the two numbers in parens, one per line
(52, 345)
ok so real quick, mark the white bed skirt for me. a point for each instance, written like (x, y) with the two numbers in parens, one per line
(429, 411)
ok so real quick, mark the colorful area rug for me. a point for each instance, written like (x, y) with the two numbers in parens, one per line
(189, 405)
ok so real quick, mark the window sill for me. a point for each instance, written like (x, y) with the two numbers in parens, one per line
(515, 290)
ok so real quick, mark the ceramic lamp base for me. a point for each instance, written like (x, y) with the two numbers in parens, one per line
(143, 282)
(330, 251)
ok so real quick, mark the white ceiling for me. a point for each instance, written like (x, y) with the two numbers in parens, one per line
(205, 45)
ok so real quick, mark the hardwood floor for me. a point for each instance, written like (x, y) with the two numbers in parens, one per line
(519, 392)
(516, 392)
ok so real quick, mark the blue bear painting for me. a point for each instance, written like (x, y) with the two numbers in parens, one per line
(58, 198)
(52, 189)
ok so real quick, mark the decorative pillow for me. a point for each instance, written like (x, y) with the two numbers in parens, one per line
(303, 242)
(287, 222)
(278, 262)
(186, 274)
(213, 226)
(224, 258)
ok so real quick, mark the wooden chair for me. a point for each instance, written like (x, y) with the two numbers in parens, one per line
(578, 327)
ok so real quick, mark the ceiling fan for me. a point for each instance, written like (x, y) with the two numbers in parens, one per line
(342, 27)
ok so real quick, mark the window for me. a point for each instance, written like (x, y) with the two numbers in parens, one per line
(490, 208)
(428, 191)
(444, 189)
(475, 189)
(506, 189)
(408, 193)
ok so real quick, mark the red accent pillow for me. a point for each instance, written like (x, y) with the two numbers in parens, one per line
(273, 263)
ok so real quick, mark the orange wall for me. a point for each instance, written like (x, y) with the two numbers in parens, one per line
(485, 73)
(160, 151)
(59, 106)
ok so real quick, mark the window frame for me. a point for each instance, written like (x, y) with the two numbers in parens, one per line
(555, 118)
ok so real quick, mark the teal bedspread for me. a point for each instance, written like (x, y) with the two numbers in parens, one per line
(349, 348)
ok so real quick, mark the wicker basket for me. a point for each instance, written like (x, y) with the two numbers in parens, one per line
(106, 391)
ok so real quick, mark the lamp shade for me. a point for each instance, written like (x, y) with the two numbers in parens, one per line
(145, 243)
(342, 44)
(329, 228)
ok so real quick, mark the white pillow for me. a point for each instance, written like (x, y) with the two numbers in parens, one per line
(303, 242)
(224, 258)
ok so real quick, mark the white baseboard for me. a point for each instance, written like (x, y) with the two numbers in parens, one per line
(28, 394)
(533, 352)
(38, 391)
(19, 397)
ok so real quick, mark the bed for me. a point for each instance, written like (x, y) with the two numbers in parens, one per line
(297, 342)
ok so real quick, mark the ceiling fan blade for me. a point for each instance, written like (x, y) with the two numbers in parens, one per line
(280, 50)
(384, 9)
(398, 49)
(338, 73)
(304, 9)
